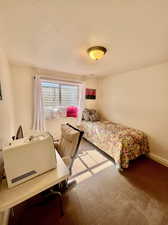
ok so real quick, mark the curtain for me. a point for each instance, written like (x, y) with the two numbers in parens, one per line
(38, 118)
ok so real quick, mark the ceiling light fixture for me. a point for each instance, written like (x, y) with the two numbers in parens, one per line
(96, 52)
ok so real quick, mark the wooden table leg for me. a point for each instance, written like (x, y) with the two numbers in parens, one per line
(4, 217)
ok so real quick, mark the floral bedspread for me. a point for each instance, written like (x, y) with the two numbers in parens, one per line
(120, 142)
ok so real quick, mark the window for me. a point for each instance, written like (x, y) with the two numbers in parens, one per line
(57, 95)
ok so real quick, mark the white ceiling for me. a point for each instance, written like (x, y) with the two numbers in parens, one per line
(55, 34)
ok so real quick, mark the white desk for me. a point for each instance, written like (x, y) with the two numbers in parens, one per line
(13, 196)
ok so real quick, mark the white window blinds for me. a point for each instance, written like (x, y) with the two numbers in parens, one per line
(69, 95)
(57, 95)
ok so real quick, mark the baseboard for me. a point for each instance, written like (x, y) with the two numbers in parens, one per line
(159, 159)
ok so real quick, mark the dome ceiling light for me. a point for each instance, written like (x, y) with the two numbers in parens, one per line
(96, 52)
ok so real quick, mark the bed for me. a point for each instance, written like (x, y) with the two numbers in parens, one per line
(118, 141)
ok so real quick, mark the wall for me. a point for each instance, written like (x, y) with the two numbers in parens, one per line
(22, 81)
(6, 105)
(139, 99)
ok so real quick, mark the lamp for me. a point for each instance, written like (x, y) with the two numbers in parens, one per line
(96, 52)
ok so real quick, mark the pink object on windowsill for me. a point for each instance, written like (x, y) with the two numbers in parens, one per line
(72, 111)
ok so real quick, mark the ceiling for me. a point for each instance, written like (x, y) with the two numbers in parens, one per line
(55, 34)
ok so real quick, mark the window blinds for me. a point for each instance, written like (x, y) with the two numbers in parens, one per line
(59, 95)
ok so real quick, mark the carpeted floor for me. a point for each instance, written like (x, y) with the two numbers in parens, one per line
(138, 196)
(88, 162)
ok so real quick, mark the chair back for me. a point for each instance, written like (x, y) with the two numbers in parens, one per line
(69, 143)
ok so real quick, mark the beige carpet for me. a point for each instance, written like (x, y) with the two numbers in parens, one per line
(138, 196)
(88, 162)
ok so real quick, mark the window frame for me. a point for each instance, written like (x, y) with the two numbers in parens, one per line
(61, 83)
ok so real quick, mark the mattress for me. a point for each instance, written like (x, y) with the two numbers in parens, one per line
(120, 142)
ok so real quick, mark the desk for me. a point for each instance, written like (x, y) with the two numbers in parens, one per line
(13, 196)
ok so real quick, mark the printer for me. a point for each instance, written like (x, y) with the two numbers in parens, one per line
(28, 157)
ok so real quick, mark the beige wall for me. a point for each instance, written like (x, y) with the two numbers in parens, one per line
(22, 81)
(139, 99)
(6, 105)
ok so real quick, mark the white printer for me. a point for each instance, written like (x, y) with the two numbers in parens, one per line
(28, 157)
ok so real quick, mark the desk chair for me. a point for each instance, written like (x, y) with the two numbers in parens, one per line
(68, 146)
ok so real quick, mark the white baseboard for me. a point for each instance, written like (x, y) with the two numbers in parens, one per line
(159, 159)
